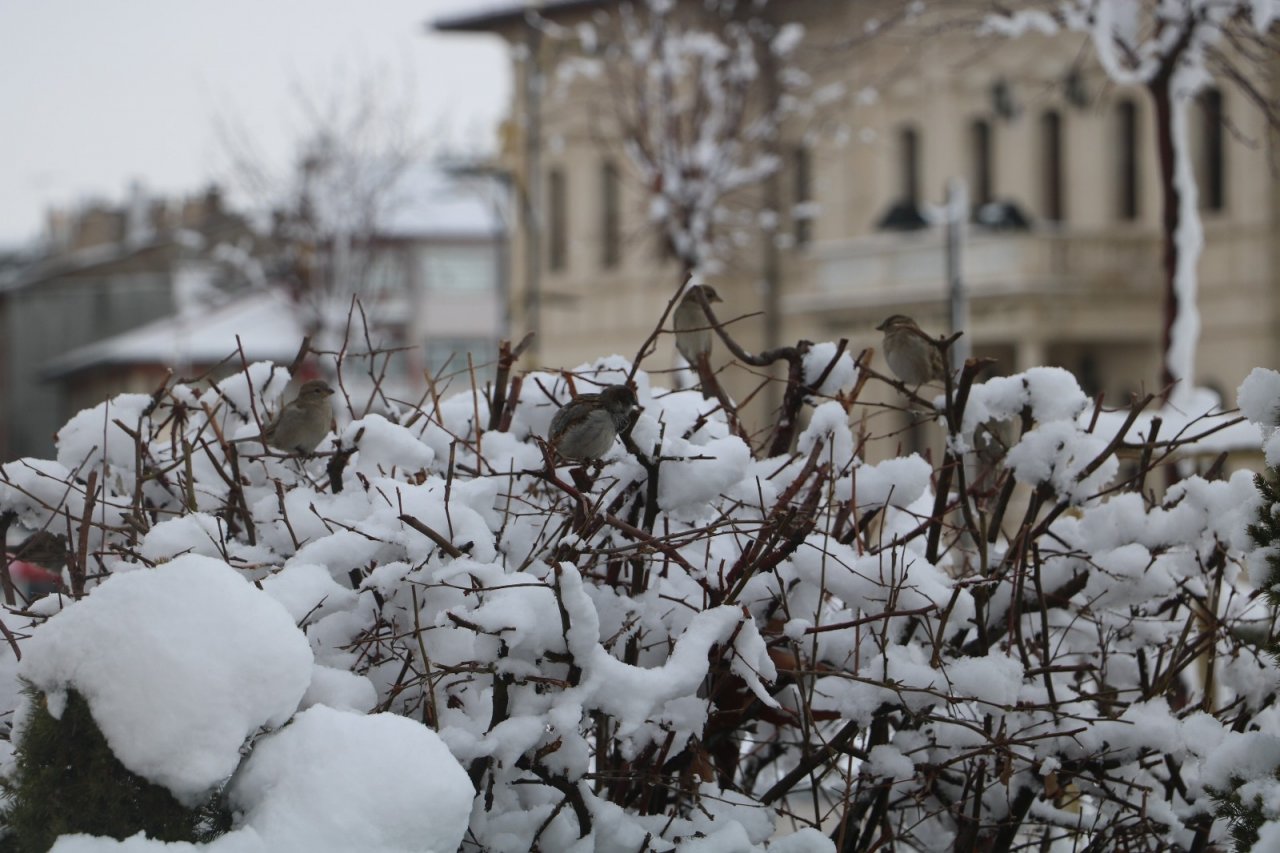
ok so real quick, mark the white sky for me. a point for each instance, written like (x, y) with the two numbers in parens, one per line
(96, 94)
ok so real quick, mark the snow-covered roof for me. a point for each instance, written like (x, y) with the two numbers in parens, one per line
(494, 15)
(265, 323)
(79, 260)
(428, 203)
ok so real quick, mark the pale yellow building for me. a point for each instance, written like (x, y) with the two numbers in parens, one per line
(1024, 121)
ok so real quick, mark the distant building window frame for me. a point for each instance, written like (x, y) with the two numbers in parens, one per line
(557, 221)
(1211, 177)
(458, 269)
(909, 165)
(1053, 167)
(981, 161)
(802, 195)
(610, 215)
(445, 355)
(1128, 194)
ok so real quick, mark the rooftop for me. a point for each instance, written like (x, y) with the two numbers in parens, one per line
(264, 323)
(427, 203)
(494, 16)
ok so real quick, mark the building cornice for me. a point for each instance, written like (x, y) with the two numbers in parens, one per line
(503, 17)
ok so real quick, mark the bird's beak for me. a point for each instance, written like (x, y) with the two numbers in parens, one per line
(883, 324)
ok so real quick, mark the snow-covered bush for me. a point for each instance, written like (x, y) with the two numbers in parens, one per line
(1245, 778)
(702, 643)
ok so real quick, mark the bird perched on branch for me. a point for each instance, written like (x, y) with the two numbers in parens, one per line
(35, 566)
(693, 327)
(991, 441)
(585, 427)
(44, 549)
(693, 333)
(302, 423)
(912, 355)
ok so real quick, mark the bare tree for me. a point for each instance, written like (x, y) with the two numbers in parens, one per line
(700, 99)
(356, 145)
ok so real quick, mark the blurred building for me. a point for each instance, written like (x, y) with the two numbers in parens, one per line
(196, 340)
(104, 270)
(123, 295)
(440, 258)
(1061, 259)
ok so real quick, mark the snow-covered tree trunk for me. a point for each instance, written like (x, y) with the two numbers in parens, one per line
(696, 99)
(1172, 49)
(1172, 93)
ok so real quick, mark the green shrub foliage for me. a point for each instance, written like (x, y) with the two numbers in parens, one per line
(67, 780)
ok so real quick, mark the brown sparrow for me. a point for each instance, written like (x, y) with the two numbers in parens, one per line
(44, 549)
(991, 441)
(912, 355)
(585, 427)
(35, 566)
(693, 332)
(303, 422)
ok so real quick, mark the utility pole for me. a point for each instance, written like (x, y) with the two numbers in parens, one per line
(957, 205)
(532, 212)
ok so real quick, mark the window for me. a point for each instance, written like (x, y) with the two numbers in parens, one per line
(980, 161)
(460, 269)
(1210, 162)
(1127, 160)
(904, 211)
(1051, 166)
(557, 222)
(802, 195)
(909, 165)
(386, 274)
(610, 216)
(449, 355)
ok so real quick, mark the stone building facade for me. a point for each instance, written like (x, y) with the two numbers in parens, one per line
(1070, 273)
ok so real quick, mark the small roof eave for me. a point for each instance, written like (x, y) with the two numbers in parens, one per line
(264, 321)
(500, 17)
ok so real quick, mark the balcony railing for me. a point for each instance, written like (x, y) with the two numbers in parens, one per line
(885, 269)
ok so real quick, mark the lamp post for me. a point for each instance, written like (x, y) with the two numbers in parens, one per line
(957, 206)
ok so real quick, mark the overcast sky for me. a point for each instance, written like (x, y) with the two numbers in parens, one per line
(96, 94)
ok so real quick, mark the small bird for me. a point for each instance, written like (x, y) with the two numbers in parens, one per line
(32, 581)
(585, 427)
(35, 566)
(302, 423)
(693, 332)
(912, 355)
(991, 441)
(44, 549)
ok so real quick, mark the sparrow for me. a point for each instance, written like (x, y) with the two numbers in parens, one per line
(912, 355)
(35, 566)
(302, 423)
(585, 427)
(43, 549)
(991, 441)
(693, 332)
(31, 580)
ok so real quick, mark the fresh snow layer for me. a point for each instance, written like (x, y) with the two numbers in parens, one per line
(335, 782)
(180, 665)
